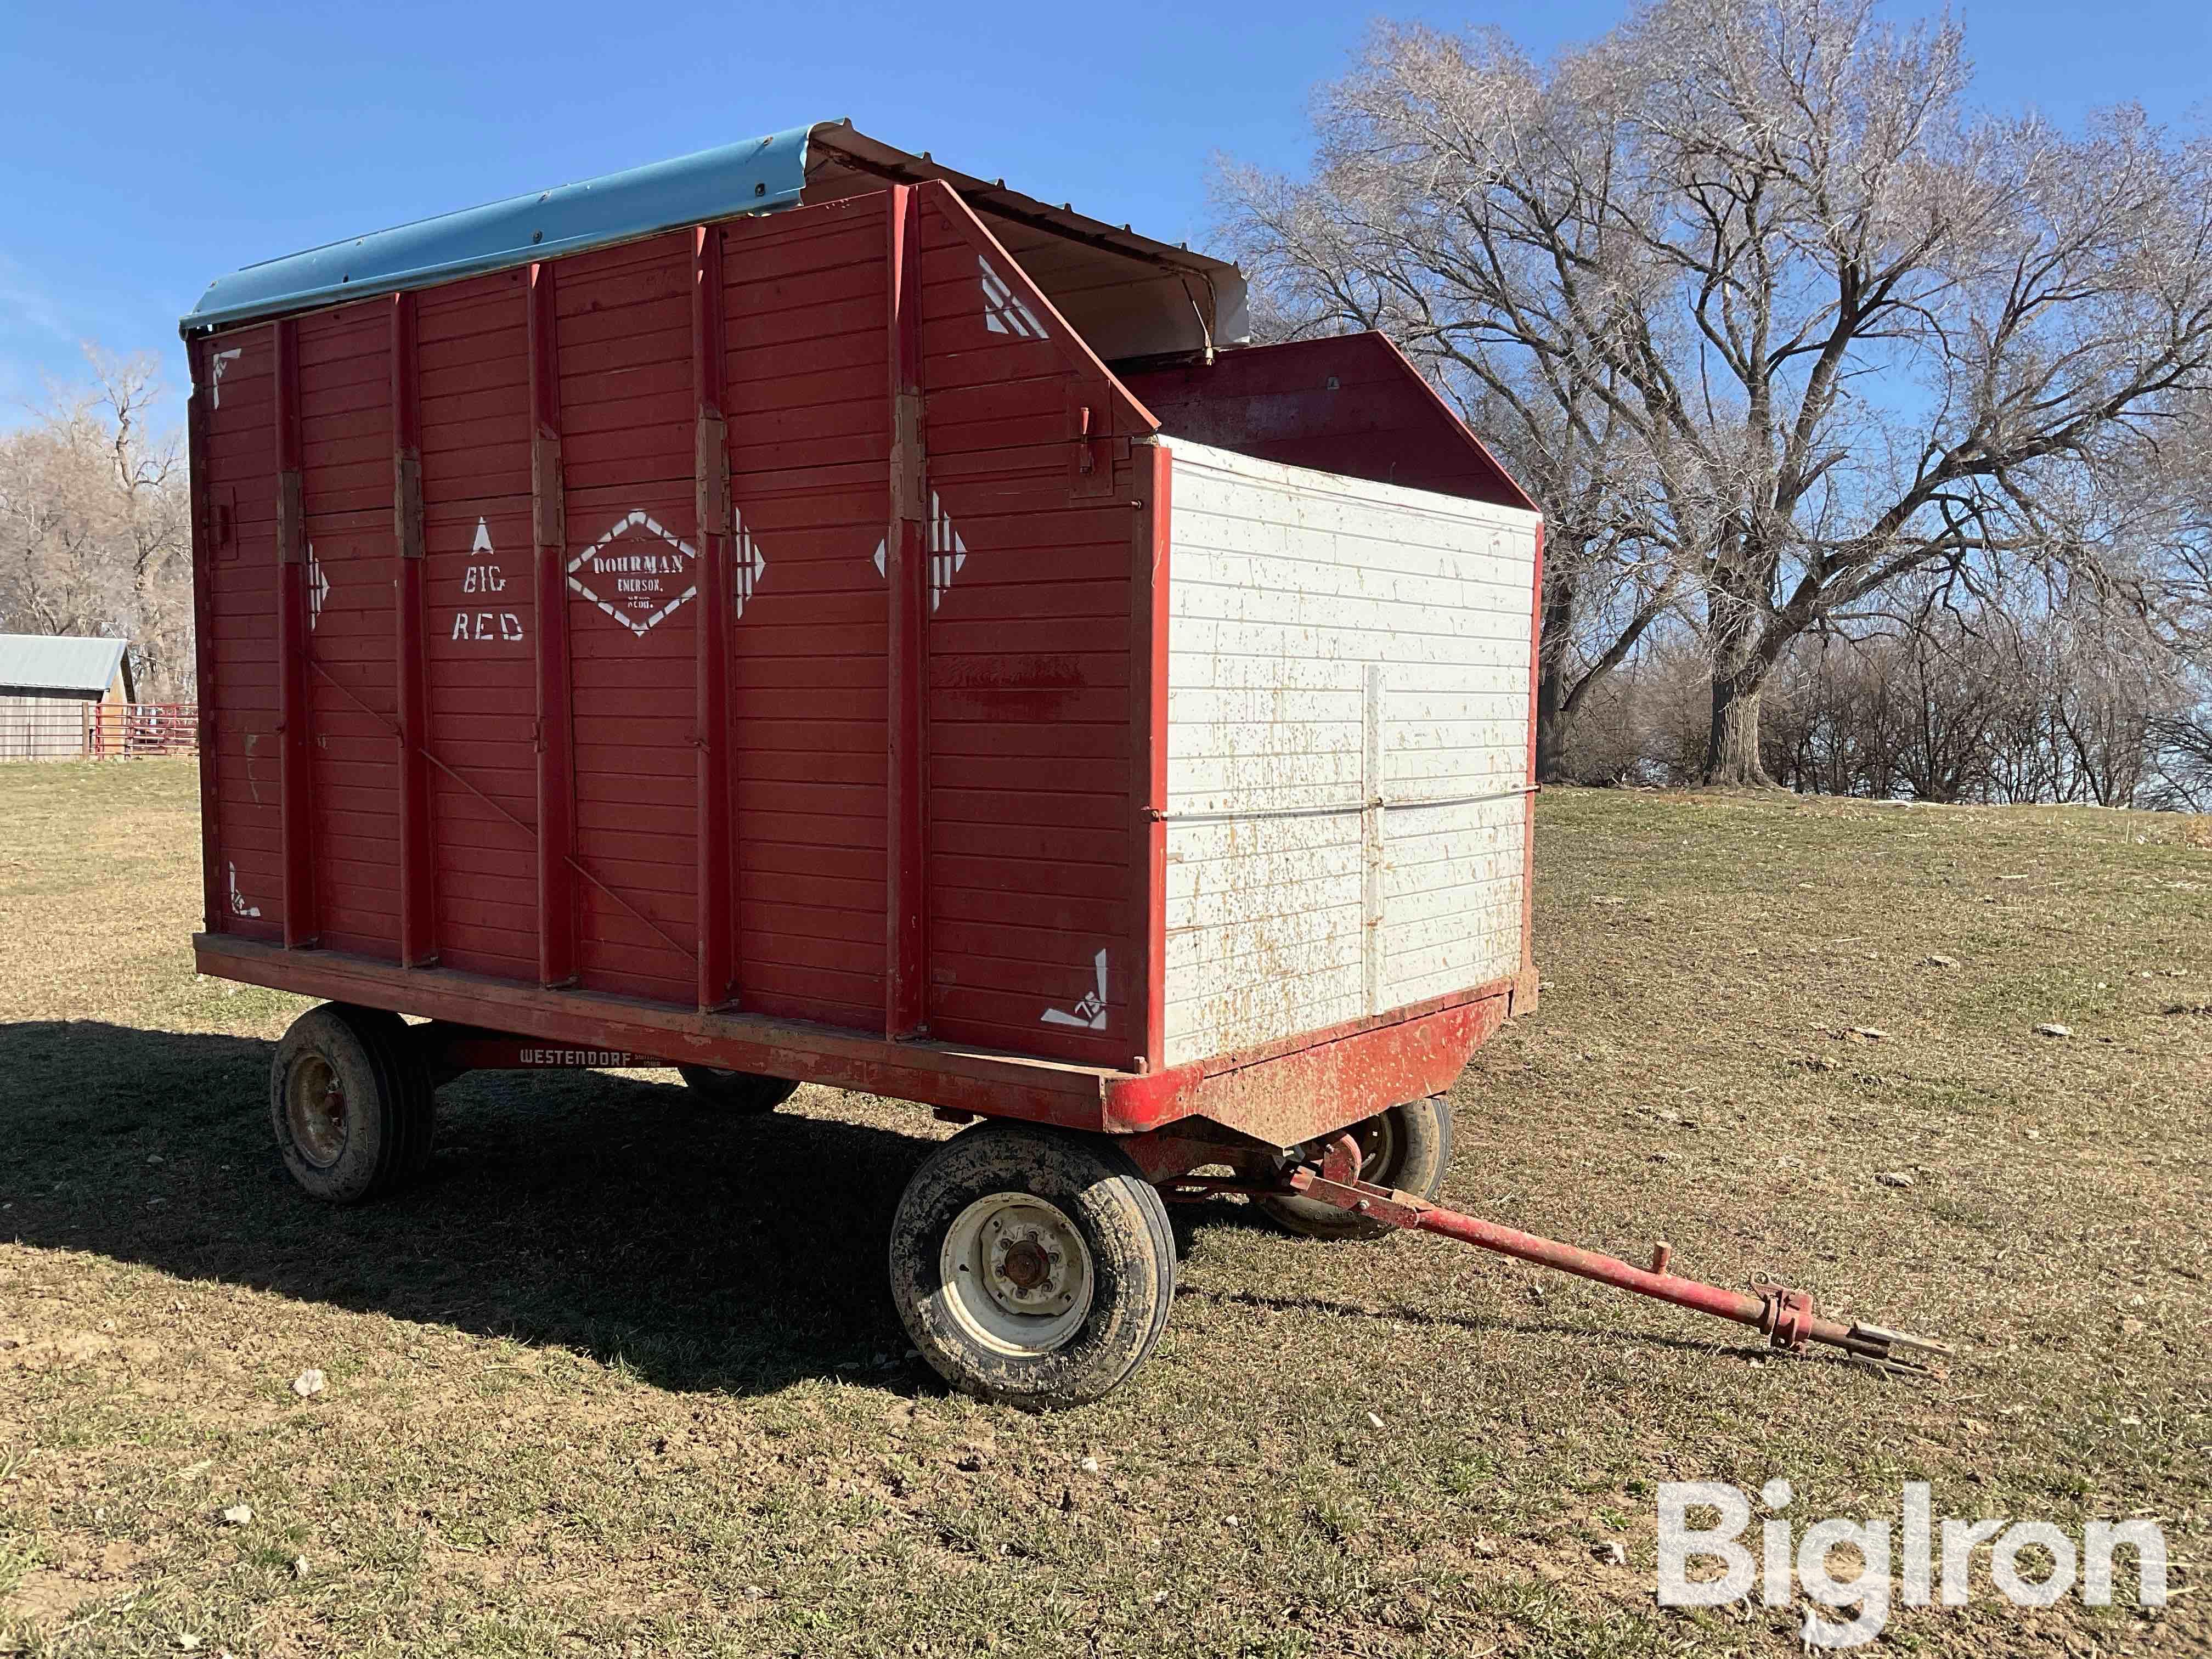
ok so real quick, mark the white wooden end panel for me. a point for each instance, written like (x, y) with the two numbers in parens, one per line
(1333, 644)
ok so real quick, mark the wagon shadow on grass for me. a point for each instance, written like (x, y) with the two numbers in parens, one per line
(616, 1217)
(607, 1214)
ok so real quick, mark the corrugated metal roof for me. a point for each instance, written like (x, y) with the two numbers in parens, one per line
(714, 184)
(58, 662)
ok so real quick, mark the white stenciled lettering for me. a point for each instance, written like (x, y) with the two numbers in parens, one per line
(483, 576)
(634, 573)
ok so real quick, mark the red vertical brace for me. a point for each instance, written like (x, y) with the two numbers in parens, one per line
(1148, 727)
(711, 468)
(205, 552)
(292, 636)
(557, 794)
(906, 572)
(1525, 994)
(418, 943)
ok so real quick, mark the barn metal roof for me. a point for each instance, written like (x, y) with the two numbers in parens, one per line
(58, 662)
(755, 176)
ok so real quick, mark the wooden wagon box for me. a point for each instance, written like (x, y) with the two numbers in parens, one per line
(802, 612)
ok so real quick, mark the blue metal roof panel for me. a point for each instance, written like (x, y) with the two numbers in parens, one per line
(715, 184)
(58, 662)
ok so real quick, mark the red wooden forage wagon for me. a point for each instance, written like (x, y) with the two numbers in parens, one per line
(802, 614)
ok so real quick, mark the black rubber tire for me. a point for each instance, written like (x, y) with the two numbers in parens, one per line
(390, 1115)
(1123, 1223)
(1416, 1152)
(736, 1092)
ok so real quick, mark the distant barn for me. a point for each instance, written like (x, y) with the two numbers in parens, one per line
(52, 691)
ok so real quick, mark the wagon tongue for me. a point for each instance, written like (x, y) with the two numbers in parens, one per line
(1786, 1316)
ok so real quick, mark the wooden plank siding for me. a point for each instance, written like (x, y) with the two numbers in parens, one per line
(1118, 810)
(480, 626)
(352, 779)
(1333, 643)
(627, 408)
(804, 388)
(237, 564)
(1033, 872)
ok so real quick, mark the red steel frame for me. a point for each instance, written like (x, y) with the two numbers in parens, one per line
(418, 943)
(206, 546)
(1285, 1094)
(717, 902)
(292, 634)
(1148, 722)
(556, 793)
(905, 576)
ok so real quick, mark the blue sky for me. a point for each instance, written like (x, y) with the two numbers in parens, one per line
(148, 146)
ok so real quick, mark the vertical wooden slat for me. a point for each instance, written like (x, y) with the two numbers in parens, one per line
(418, 945)
(906, 571)
(292, 646)
(1148, 731)
(205, 553)
(557, 794)
(717, 894)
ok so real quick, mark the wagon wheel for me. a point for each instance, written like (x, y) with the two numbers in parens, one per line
(349, 1099)
(748, 1092)
(1032, 1266)
(1407, 1147)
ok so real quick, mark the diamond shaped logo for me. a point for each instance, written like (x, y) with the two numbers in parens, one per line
(638, 573)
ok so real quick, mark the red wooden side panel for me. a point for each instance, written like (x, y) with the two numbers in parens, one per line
(1033, 841)
(627, 408)
(353, 789)
(1350, 403)
(805, 379)
(239, 565)
(480, 626)
(1033, 862)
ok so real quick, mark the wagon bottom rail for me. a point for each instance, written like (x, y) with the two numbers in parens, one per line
(1787, 1318)
(1031, 1257)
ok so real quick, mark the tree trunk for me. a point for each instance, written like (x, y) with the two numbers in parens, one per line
(1550, 723)
(1732, 745)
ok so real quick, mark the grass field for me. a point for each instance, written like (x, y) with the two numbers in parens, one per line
(623, 1378)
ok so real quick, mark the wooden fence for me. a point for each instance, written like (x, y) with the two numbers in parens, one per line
(60, 728)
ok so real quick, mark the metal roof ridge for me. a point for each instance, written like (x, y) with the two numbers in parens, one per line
(752, 176)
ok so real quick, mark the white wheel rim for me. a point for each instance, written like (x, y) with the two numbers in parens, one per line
(1017, 1274)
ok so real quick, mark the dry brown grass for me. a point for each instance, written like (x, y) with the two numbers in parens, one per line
(623, 1378)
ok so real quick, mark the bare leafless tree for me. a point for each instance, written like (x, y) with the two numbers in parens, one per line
(94, 524)
(1755, 269)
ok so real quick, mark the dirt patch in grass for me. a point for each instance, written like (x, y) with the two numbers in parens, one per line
(623, 1378)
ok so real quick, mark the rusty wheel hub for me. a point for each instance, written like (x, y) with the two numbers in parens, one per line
(316, 1111)
(1017, 1272)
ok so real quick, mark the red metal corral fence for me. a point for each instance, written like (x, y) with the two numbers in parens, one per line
(64, 728)
(126, 730)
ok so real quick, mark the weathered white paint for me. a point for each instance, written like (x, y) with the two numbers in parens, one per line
(1347, 748)
(639, 574)
(480, 578)
(948, 551)
(217, 365)
(1004, 311)
(1091, 1011)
